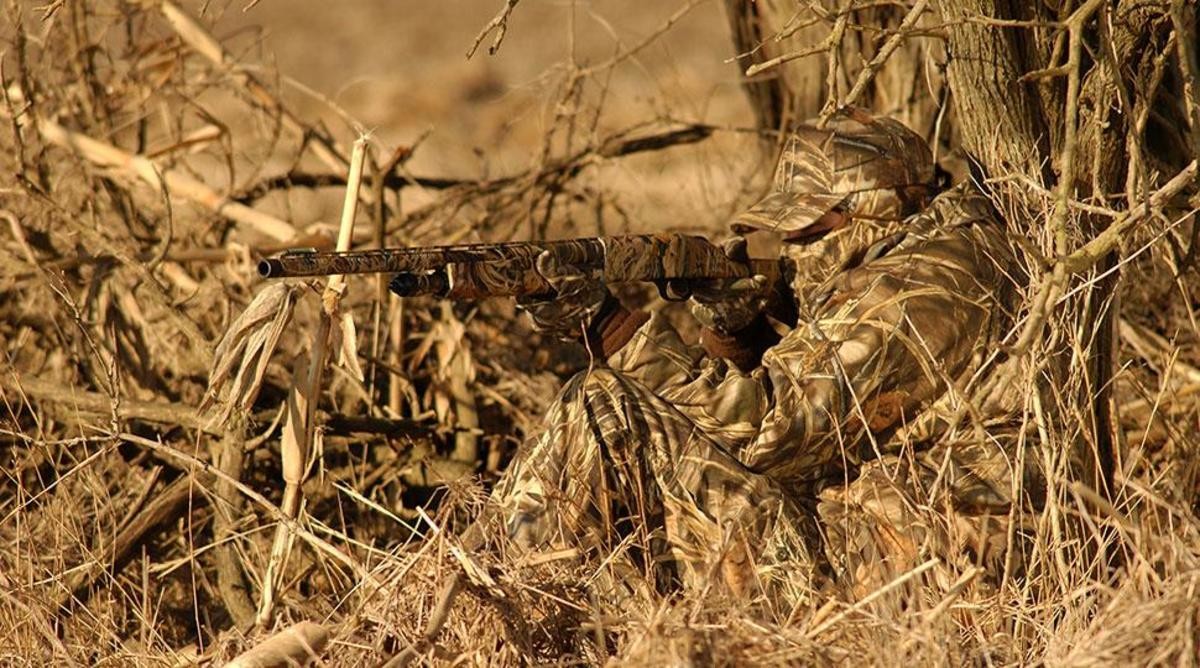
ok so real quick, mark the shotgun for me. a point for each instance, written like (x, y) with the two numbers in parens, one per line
(509, 269)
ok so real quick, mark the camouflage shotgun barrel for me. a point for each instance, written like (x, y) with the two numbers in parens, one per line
(509, 269)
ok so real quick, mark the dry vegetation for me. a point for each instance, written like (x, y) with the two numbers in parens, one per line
(346, 438)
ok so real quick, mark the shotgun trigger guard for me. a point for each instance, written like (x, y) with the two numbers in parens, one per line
(674, 289)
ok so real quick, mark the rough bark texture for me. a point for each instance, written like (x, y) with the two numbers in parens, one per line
(770, 97)
(999, 117)
(1105, 156)
(907, 87)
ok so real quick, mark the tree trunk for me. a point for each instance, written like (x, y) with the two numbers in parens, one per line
(999, 117)
(907, 87)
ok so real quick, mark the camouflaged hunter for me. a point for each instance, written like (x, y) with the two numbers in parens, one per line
(771, 453)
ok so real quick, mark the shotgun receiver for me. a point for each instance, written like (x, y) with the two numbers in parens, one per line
(509, 269)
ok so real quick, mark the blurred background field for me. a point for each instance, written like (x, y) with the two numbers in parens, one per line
(399, 69)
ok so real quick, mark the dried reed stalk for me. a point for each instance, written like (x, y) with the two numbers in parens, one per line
(193, 466)
(300, 424)
(228, 458)
(297, 645)
(176, 184)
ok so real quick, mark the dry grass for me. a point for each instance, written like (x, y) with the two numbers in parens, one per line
(147, 169)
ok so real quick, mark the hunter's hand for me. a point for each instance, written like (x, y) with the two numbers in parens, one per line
(728, 306)
(578, 298)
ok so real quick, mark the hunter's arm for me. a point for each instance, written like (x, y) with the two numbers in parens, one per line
(743, 348)
(887, 342)
(719, 398)
(656, 356)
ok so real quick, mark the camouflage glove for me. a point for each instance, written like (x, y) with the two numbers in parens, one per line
(577, 300)
(731, 305)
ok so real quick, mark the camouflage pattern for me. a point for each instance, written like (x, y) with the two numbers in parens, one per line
(617, 467)
(574, 297)
(302, 262)
(706, 466)
(951, 501)
(826, 458)
(838, 190)
(730, 305)
(875, 167)
(511, 269)
(873, 172)
(887, 339)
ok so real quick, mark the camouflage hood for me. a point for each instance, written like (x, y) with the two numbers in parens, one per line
(874, 169)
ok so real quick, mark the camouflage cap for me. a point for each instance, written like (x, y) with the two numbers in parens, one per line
(871, 168)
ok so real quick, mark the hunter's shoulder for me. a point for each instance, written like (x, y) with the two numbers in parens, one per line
(963, 204)
(961, 215)
(959, 233)
(959, 206)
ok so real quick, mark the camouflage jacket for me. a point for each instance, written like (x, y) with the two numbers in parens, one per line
(880, 339)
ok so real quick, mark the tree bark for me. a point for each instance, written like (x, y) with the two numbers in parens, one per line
(906, 87)
(999, 116)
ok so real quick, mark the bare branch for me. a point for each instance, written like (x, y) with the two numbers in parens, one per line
(499, 23)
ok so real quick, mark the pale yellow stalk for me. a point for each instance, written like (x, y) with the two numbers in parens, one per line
(300, 426)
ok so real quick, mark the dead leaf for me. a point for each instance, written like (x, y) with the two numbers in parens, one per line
(245, 350)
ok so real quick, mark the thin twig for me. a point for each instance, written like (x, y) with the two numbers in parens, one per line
(868, 72)
(870, 598)
(441, 612)
(191, 464)
(499, 23)
(1094, 250)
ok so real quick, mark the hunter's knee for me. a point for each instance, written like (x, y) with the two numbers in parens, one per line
(610, 402)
